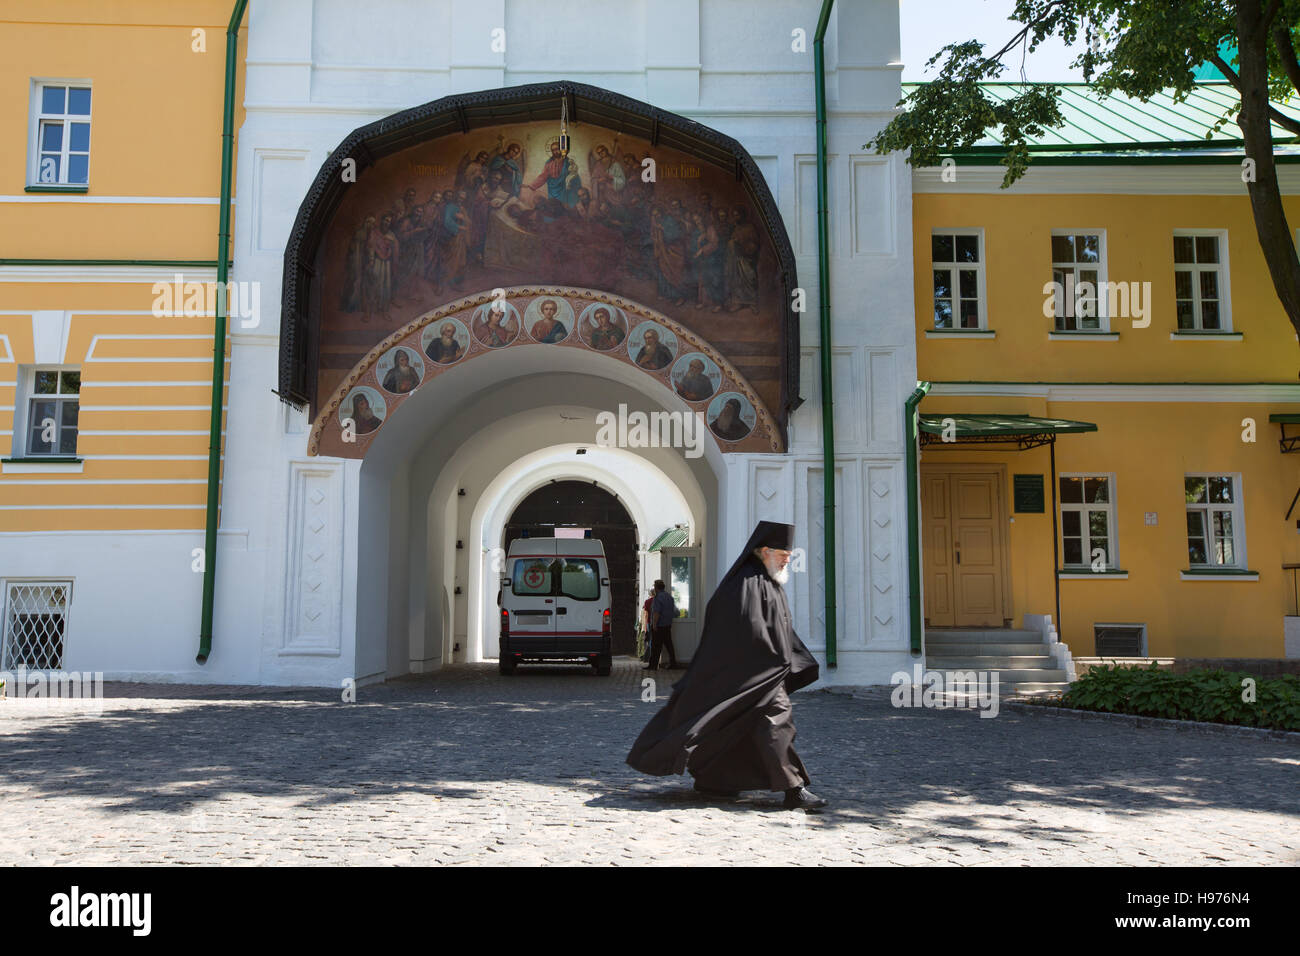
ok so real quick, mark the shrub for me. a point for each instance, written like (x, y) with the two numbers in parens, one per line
(1212, 695)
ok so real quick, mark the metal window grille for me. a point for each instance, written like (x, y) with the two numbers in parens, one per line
(36, 616)
(1119, 640)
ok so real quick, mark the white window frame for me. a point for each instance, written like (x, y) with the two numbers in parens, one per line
(1103, 309)
(954, 280)
(34, 133)
(24, 396)
(1236, 509)
(1225, 287)
(1111, 509)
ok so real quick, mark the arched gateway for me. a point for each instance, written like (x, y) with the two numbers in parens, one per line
(501, 289)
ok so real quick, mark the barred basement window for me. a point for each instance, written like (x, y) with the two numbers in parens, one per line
(36, 614)
(1120, 640)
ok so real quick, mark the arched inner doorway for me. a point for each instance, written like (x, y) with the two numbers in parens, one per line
(585, 509)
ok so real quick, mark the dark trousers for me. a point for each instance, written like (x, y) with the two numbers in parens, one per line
(661, 637)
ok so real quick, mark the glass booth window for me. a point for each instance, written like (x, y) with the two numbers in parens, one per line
(682, 569)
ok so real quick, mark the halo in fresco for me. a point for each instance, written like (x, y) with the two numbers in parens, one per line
(445, 341)
(496, 326)
(651, 346)
(400, 370)
(366, 407)
(603, 327)
(696, 377)
(731, 416)
(549, 318)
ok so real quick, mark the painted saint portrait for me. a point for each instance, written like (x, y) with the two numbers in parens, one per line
(603, 327)
(651, 346)
(696, 377)
(366, 409)
(400, 370)
(549, 319)
(445, 341)
(496, 324)
(730, 416)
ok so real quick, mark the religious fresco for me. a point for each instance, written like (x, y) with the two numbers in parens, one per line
(371, 392)
(503, 207)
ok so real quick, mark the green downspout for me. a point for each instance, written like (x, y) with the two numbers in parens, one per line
(824, 287)
(913, 514)
(219, 335)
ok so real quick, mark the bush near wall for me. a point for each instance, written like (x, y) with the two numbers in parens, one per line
(1208, 695)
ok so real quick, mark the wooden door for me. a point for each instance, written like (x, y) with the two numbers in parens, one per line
(963, 548)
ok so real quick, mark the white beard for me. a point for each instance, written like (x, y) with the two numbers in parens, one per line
(779, 576)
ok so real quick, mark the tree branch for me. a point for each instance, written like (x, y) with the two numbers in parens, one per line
(1282, 39)
(1227, 71)
(1284, 121)
(1270, 13)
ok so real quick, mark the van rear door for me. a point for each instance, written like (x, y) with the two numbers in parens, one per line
(531, 602)
(581, 600)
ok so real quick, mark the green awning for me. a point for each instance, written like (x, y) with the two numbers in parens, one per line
(671, 538)
(1285, 418)
(1026, 431)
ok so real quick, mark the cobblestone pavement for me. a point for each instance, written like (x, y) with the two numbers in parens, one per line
(467, 766)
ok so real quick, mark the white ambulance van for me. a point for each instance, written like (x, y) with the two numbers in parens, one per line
(555, 603)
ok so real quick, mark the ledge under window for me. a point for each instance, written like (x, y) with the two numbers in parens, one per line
(1218, 574)
(959, 333)
(1081, 574)
(1189, 335)
(37, 464)
(1059, 336)
(57, 188)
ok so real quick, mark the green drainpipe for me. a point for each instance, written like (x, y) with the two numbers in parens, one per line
(824, 285)
(913, 514)
(219, 336)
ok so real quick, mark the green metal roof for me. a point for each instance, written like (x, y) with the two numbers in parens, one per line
(671, 538)
(1285, 418)
(1119, 125)
(1008, 425)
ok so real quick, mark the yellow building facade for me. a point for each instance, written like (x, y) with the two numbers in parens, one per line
(109, 194)
(1173, 516)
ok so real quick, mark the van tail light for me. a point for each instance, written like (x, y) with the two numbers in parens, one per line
(604, 623)
(505, 622)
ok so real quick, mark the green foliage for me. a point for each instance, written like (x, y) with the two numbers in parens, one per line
(1214, 696)
(1134, 47)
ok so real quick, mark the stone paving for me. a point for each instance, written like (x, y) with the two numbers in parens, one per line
(470, 767)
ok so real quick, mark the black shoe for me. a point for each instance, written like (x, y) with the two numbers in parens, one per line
(729, 794)
(801, 798)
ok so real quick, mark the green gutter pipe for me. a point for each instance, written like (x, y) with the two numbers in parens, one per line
(219, 335)
(824, 287)
(913, 513)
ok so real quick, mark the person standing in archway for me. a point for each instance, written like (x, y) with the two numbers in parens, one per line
(729, 721)
(662, 612)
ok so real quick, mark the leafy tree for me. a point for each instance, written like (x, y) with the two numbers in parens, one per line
(1138, 48)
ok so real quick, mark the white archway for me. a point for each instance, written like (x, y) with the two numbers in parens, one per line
(439, 473)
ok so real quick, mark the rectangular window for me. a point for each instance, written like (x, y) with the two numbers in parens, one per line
(1119, 640)
(1078, 269)
(1201, 281)
(60, 148)
(35, 623)
(1088, 522)
(51, 413)
(1214, 528)
(957, 261)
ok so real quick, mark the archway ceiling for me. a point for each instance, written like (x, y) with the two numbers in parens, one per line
(743, 289)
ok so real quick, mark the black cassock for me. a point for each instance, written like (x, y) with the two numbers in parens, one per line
(729, 721)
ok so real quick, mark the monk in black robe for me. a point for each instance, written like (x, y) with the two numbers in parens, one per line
(729, 720)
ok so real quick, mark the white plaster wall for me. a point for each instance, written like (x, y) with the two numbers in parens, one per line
(317, 69)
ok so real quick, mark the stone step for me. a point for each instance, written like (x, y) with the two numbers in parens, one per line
(1012, 675)
(946, 649)
(1037, 688)
(992, 635)
(987, 662)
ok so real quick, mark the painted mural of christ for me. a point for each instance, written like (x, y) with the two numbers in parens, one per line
(560, 176)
